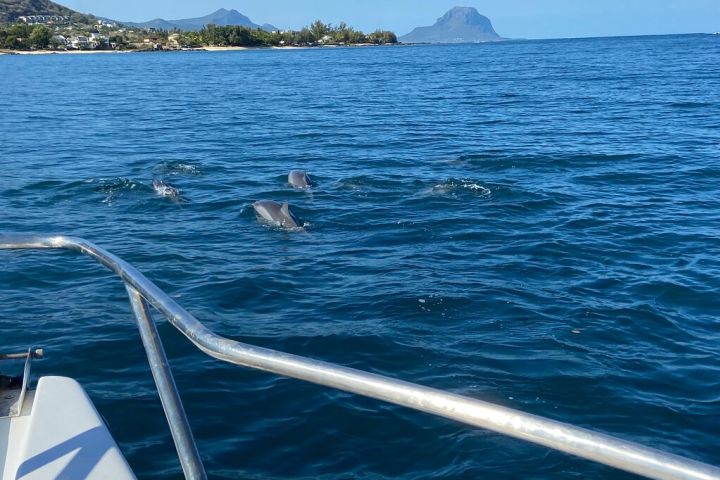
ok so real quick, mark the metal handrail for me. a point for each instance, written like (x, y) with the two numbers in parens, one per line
(560, 436)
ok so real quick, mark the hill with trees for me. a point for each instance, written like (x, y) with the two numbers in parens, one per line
(10, 10)
(45, 25)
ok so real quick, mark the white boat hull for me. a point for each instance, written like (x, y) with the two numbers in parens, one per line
(59, 434)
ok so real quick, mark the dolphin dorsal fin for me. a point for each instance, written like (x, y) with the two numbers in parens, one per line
(285, 208)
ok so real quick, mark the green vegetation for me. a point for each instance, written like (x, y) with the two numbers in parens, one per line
(23, 37)
(96, 34)
(40, 37)
(318, 33)
(43, 24)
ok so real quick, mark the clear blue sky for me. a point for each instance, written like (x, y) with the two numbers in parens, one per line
(511, 18)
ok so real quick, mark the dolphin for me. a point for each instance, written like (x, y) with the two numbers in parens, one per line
(276, 213)
(299, 179)
(165, 190)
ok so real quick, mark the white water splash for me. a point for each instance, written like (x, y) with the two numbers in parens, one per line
(453, 186)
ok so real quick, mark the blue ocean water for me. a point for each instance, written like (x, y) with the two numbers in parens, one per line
(531, 223)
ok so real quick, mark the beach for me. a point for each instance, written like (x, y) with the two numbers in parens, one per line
(60, 52)
(200, 49)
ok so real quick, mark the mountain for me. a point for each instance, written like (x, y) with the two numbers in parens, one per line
(458, 25)
(221, 17)
(10, 10)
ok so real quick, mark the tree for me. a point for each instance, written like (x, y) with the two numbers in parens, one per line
(190, 39)
(238, 36)
(305, 36)
(357, 37)
(382, 36)
(242, 36)
(16, 36)
(40, 37)
(213, 35)
(318, 30)
(101, 43)
(118, 40)
(342, 33)
(56, 43)
(345, 34)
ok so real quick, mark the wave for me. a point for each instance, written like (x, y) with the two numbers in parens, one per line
(690, 104)
(453, 187)
(114, 188)
(177, 168)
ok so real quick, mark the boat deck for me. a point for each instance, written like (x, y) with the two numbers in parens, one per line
(54, 432)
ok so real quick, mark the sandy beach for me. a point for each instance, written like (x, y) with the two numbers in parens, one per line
(223, 49)
(200, 49)
(87, 52)
(59, 52)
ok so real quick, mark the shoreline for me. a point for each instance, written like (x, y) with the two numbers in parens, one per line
(61, 52)
(199, 49)
(4, 51)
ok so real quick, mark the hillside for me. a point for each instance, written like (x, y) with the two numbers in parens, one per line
(458, 25)
(11, 9)
(220, 17)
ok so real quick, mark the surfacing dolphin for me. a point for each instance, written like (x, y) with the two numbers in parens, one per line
(165, 190)
(275, 213)
(299, 179)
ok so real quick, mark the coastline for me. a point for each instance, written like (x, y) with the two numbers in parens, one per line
(294, 47)
(220, 49)
(60, 52)
(199, 49)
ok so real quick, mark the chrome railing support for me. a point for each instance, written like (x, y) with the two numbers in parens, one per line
(169, 397)
(581, 442)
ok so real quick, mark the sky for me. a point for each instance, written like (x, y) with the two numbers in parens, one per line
(511, 18)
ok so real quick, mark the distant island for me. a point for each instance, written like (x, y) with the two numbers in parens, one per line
(458, 25)
(42, 25)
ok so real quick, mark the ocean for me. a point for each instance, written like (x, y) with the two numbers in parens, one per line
(532, 223)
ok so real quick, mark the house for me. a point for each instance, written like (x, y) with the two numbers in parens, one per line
(152, 43)
(80, 43)
(37, 19)
(98, 40)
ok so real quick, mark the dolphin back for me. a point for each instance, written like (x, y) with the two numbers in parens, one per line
(276, 213)
(299, 179)
(164, 189)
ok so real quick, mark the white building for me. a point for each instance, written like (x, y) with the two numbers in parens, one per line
(80, 43)
(36, 19)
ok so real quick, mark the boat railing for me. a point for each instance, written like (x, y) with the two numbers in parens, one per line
(143, 293)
